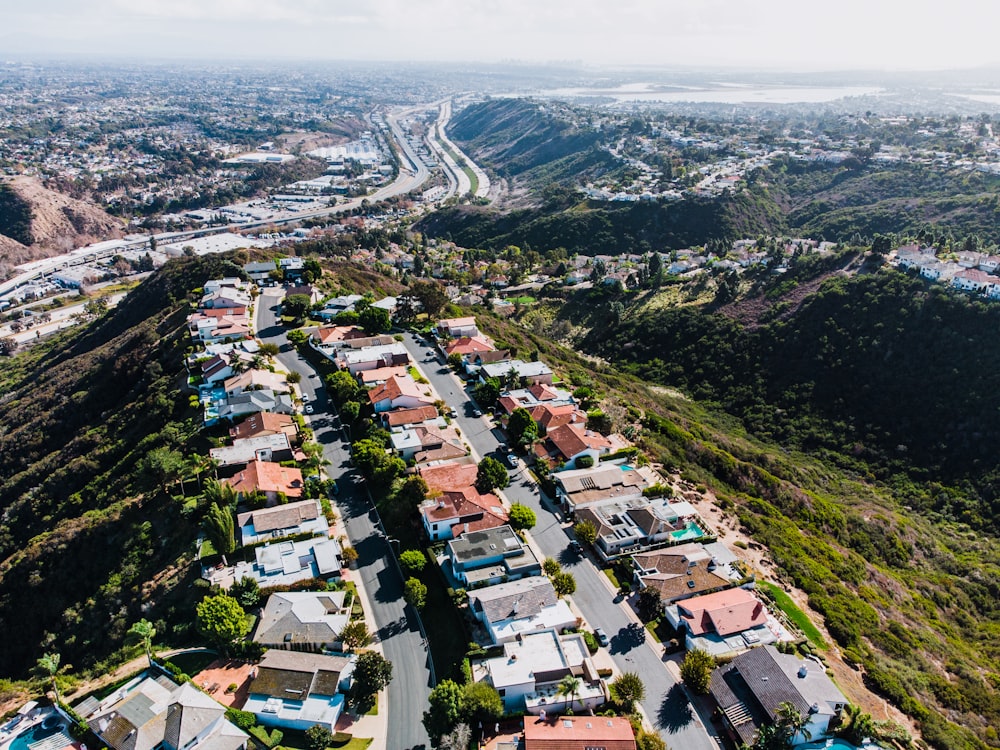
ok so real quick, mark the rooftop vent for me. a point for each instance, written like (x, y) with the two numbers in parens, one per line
(803, 670)
(567, 723)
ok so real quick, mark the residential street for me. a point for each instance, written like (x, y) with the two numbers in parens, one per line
(402, 642)
(666, 704)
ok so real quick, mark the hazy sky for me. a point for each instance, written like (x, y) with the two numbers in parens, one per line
(798, 34)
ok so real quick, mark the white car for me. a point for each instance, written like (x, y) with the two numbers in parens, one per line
(309, 409)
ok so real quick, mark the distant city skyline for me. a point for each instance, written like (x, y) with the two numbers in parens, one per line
(758, 34)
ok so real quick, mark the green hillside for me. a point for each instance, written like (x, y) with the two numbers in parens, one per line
(84, 519)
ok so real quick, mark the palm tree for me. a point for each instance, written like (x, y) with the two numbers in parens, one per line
(569, 686)
(144, 632)
(48, 665)
(792, 722)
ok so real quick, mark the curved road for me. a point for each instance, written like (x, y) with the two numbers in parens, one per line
(666, 703)
(402, 642)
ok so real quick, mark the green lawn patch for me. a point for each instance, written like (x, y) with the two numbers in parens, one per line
(373, 711)
(192, 663)
(611, 577)
(207, 550)
(524, 299)
(355, 743)
(799, 618)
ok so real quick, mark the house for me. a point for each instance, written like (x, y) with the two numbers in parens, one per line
(292, 268)
(264, 524)
(298, 691)
(749, 689)
(154, 713)
(524, 372)
(274, 480)
(973, 280)
(225, 298)
(233, 282)
(527, 673)
(218, 368)
(481, 558)
(259, 271)
(579, 487)
(336, 305)
(201, 323)
(509, 610)
(539, 394)
(303, 621)
(403, 417)
(265, 423)
(455, 328)
(473, 362)
(579, 733)
(389, 304)
(399, 392)
(724, 623)
(336, 336)
(572, 441)
(306, 290)
(251, 402)
(371, 378)
(627, 525)
(462, 510)
(273, 447)
(468, 345)
(427, 442)
(680, 572)
(371, 357)
(257, 380)
(287, 562)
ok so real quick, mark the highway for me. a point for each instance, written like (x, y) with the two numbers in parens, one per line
(401, 639)
(666, 703)
(410, 177)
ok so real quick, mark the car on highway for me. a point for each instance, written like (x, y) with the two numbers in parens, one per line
(601, 636)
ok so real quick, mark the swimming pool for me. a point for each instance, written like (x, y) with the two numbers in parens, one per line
(49, 728)
(691, 531)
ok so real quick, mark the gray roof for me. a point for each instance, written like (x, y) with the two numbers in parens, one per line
(295, 675)
(523, 598)
(302, 618)
(488, 543)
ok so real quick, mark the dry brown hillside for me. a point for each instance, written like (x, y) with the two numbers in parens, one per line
(58, 223)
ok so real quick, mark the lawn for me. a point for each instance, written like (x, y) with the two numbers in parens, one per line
(799, 618)
(295, 739)
(192, 663)
(524, 299)
(611, 577)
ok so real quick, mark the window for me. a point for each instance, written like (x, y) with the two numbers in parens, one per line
(435, 527)
(502, 692)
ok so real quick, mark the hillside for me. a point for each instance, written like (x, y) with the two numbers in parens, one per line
(36, 222)
(858, 450)
(83, 517)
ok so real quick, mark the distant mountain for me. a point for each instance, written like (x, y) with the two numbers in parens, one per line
(36, 222)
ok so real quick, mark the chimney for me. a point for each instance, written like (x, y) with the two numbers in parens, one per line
(803, 670)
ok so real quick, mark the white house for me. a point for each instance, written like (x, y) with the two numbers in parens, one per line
(298, 690)
(510, 610)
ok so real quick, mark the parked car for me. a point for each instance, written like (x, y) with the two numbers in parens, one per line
(576, 547)
(477, 413)
(309, 409)
(601, 636)
(512, 461)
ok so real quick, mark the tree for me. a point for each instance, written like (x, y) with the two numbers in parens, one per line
(48, 666)
(349, 555)
(649, 741)
(521, 428)
(445, 709)
(551, 566)
(374, 320)
(487, 393)
(8, 345)
(354, 635)
(221, 620)
(792, 723)
(412, 561)
(143, 632)
(318, 737)
(491, 475)
(431, 296)
(269, 349)
(696, 670)
(294, 377)
(164, 465)
(585, 531)
(413, 492)
(564, 583)
(522, 517)
(628, 689)
(655, 264)
(296, 306)
(455, 361)
(650, 604)
(246, 591)
(458, 738)
(372, 672)
(220, 529)
(480, 703)
(415, 593)
(569, 687)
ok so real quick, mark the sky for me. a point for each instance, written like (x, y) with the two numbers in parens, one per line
(759, 34)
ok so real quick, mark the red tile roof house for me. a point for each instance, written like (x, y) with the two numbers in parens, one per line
(269, 478)
(571, 441)
(724, 623)
(578, 733)
(458, 511)
(265, 423)
(399, 392)
(402, 417)
(468, 345)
